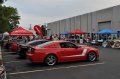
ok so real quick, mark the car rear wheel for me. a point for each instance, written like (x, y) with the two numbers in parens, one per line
(50, 60)
(92, 56)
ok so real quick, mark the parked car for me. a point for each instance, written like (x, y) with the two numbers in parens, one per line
(7, 44)
(53, 52)
(15, 45)
(23, 48)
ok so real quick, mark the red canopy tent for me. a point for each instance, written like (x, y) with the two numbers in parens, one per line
(77, 31)
(20, 32)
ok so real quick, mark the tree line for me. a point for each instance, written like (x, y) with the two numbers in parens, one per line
(1, 1)
(9, 17)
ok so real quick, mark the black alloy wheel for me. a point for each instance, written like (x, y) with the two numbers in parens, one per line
(92, 56)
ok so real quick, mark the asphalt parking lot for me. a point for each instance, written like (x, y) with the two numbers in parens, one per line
(108, 67)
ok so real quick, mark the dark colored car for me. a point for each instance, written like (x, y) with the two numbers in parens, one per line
(8, 44)
(23, 48)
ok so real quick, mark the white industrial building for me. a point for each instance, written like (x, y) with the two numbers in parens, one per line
(91, 22)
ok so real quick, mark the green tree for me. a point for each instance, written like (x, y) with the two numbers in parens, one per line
(2, 1)
(9, 18)
(44, 30)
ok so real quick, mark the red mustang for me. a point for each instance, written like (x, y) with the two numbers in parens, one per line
(53, 52)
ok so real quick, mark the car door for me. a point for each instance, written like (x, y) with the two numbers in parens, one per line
(69, 51)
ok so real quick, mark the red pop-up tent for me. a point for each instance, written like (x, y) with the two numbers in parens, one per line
(77, 31)
(20, 32)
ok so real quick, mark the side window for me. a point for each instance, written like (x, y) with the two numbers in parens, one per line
(67, 45)
(70, 45)
(50, 46)
(43, 42)
(36, 43)
(40, 42)
(62, 45)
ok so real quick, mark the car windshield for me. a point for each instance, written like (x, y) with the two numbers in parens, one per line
(19, 41)
(32, 42)
(44, 44)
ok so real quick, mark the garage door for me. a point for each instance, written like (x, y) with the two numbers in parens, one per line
(104, 25)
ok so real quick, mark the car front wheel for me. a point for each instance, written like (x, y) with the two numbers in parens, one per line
(92, 56)
(50, 60)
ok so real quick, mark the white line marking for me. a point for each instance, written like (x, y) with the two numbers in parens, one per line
(14, 61)
(50, 69)
(9, 55)
(8, 52)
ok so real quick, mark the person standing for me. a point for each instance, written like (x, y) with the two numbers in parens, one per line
(51, 37)
(114, 37)
(56, 37)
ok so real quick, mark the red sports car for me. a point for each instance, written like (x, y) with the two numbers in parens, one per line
(53, 52)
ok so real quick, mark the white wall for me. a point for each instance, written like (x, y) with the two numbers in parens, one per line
(58, 27)
(116, 18)
(88, 22)
(77, 22)
(72, 23)
(84, 23)
(62, 26)
(68, 25)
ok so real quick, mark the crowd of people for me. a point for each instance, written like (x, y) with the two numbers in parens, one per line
(80, 38)
(17, 39)
(54, 37)
(96, 39)
(76, 38)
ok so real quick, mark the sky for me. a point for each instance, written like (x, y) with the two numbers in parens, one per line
(40, 12)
